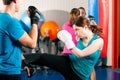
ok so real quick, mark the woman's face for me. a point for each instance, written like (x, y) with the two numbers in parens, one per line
(82, 12)
(79, 31)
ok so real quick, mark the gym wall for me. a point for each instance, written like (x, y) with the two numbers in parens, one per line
(57, 10)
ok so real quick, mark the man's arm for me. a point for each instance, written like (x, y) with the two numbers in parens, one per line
(30, 39)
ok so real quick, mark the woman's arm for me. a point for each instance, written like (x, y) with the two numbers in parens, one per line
(96, 45)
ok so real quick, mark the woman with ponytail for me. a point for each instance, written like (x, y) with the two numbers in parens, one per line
(79, 64)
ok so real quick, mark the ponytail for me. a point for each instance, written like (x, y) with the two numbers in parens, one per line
(82, 21)
(96, 29)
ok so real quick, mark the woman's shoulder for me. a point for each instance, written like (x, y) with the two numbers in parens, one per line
(98, 39)
(100, 42)
(66, 24)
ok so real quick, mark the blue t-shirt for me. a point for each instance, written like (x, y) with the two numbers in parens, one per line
(83, 66)
(10, 48)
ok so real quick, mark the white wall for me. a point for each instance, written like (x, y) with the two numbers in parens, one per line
(44, 5)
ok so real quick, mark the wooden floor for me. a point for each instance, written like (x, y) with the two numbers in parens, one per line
(49, 74)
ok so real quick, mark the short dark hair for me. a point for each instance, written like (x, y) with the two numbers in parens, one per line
(74, 13)
(7, 2)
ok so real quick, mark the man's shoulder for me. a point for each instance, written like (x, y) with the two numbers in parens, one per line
(6, 16)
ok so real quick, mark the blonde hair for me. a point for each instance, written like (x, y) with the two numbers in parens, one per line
(73, 15)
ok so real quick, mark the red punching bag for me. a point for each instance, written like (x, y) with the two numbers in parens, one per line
(103, 22)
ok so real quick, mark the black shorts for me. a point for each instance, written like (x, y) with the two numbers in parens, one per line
(10, 77)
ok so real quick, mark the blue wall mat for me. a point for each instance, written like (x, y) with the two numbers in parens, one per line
(93, 9)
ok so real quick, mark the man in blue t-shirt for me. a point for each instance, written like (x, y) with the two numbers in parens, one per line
(12, 37)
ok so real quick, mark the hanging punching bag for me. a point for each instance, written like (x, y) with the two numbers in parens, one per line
(99, 9)
(103, 22)
(93, 9)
